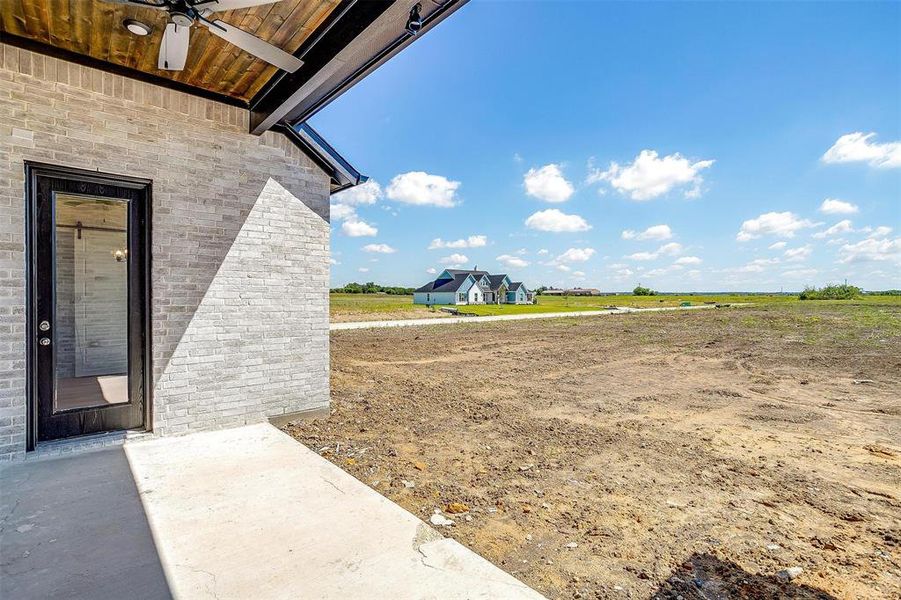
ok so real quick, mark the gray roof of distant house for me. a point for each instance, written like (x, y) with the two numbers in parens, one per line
(497, 280)
(515, 286)
(445, 285)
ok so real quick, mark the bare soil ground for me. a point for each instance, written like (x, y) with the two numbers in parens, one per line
(652, 455)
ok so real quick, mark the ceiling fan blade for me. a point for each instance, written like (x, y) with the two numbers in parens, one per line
(174, 47)
(221, 5)
(256, 46)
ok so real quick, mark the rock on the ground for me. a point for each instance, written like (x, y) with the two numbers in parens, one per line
(440, 520)
(789, 573)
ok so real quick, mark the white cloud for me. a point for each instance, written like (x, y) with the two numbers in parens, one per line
(757, 265)
(688, 260)
(473, 241)
(833, 206)
(366, 193)
(750, 268)
(575, 255)
(859, 147)
(579, 274)
(358, 228)
(655, 232)
(332, 261)
(843, 226)
(780, 224)
(454, 260)
(778, 245)
(548, 184)
(670, 249)
(878, 232)
(799, 273)
(649, 176)
(423, 189)
(340, 212)
(431, 271)
(563, 268)
(363, 270)
(508, 260)
(380, 248)
(797, 254)
(556, 221)
(543, 252)
(871, 249)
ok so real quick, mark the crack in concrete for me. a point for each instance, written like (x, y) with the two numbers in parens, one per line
(333, 484)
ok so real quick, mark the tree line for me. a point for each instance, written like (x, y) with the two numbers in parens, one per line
(372, 288)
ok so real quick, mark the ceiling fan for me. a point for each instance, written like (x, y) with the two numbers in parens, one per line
(184, 14)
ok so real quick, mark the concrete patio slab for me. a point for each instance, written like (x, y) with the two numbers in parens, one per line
(239, 513)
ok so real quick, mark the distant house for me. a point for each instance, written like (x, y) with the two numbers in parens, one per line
(572, 292)
(583, 292)
(458, 286)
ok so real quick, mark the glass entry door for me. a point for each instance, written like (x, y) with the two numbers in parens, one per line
(89, 314)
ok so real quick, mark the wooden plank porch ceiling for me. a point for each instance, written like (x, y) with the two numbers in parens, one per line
(94, 28)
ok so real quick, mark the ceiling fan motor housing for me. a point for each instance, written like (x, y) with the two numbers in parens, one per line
(182, 19)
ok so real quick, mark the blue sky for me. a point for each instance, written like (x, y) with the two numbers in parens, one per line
(684, 146)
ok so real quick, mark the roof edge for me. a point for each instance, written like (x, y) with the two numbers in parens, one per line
(342, 174)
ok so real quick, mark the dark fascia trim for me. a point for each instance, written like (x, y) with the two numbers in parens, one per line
(350, 21)
(102, 65)
(342, 174)
(336, 15)
(396, 46)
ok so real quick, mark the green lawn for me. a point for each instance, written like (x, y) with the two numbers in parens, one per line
(547, 304)
(362, 307)
(372, 307)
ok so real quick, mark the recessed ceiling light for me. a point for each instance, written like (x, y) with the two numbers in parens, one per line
(136, 27)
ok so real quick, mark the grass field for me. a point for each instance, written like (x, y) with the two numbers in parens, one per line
(366, 307)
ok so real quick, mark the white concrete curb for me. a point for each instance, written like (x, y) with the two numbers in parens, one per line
(453, 320)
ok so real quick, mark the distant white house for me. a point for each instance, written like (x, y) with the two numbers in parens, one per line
(456, 286)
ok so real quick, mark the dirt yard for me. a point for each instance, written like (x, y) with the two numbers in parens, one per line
(692, 455)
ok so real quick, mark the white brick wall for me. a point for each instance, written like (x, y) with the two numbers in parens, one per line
(240, 242)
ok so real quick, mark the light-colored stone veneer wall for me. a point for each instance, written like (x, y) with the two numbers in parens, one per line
(240, 242)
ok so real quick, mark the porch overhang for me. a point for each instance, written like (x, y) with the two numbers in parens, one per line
(339, 42)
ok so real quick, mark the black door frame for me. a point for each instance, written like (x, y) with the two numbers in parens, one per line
(34, 170)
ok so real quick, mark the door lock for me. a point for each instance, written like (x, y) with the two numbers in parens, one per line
(44, 341)
(44, 325)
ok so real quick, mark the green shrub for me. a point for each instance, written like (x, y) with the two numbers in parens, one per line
(831, 292)
(643, 291)
(372, 288)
